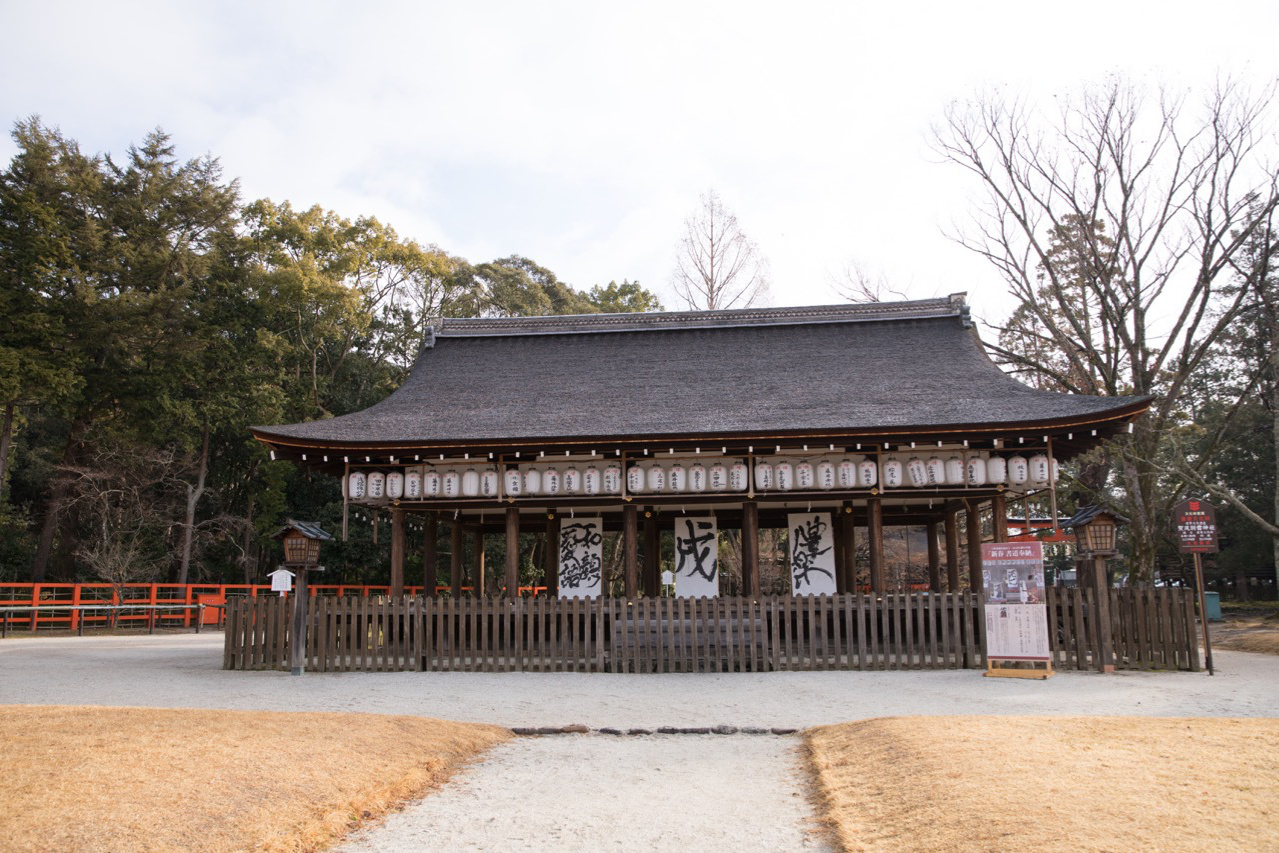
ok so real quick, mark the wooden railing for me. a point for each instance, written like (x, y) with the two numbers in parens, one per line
(1151, 629)
(64, 606)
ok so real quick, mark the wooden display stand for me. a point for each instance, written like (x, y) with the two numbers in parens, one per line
(1005, 668)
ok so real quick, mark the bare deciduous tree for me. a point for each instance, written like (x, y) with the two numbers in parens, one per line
(716, 265)
(1157, 201)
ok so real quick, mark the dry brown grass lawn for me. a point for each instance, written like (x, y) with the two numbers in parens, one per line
(1248, 628)
(126, 779)
(1050, 783)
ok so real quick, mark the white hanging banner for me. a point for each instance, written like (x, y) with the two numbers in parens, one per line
(581, 557)
(812, 553)
(696, 557)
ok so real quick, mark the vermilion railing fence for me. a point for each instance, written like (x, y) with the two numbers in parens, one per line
(146, 596)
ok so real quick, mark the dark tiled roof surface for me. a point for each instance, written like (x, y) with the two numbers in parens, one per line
(743, 374)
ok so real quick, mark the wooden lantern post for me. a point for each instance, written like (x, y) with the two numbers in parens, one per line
(301, 554)
(1096, 534)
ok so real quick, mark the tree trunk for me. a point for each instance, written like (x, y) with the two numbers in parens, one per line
(57, 495)
(6, 433)
(250, 547)
(194, 493)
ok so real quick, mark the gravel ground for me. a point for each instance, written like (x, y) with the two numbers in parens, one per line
(599, 792)
(580, 792)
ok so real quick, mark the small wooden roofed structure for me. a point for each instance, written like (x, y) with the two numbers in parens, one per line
(871, 382)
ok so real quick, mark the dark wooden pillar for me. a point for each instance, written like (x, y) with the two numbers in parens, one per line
(849, 535)
(972, 521)
(952, 550)
(397, 552)
(512, 551)
(934, 557)
(837, 535)
(750, 549)
(430, 553)
(477, 571)
(875, 538)
(455, 558)
(652, 555)
(552, 553)
(630, 543)
(999, 511)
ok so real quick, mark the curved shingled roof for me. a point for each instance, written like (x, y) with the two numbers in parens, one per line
(834, 369)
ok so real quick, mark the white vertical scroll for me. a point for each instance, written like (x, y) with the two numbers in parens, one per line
(812, 553)
(696, 557)
(581, 557)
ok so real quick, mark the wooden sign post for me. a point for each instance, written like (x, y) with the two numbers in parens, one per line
(1196, 524)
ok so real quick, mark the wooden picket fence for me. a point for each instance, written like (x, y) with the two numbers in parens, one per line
(1152, 629)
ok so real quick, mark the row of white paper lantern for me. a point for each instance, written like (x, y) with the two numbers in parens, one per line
(783, 476)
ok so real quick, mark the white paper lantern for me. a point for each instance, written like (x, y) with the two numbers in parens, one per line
(763, 476)
(470, 484)
(804, 476)
(356, 485)
(488, 483)
(612, 480)
(892, 473)
(677, 478)
(395, 485)
(431, 485)
(656, 477)
(572, 481)
(377, 484)
(451, 484)
(533, 481)
(996, 470)
(591, 480)
(1018, 470)
(936, 471)
(847, 474)
(413, 485)
(955, 470)
(825, 475)
(513, 482)
(976, 470)
(551, 481)
(784, 476)
(718, 477)
(738, 476)
(917, 471)
(1056, 470)
(867, 473)
(1039, 469)
(635, 480)
(697, 477)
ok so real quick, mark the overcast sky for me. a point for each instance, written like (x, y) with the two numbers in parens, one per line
(582, 134)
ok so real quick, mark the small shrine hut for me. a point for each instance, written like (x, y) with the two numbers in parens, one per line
(832, 422)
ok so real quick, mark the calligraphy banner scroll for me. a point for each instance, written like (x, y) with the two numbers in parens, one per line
(812, 553)
(696, 557)
(581, 557)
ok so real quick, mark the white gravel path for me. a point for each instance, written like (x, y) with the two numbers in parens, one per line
(600, 792)
(589, 792)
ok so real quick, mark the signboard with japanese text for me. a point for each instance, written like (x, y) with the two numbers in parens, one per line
(812, 553)
(581, 557)
(1016, 615)
(1196, 524)
(696, 557)
(281, 580)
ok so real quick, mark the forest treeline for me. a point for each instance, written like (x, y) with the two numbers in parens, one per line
(149, 315)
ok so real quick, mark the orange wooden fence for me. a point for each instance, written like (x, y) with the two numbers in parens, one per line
(150, 595)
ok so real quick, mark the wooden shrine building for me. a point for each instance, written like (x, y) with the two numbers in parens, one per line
(860, 416)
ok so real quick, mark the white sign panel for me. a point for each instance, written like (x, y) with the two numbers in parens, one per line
(1016, 615)
(281, 580)
(812, 553)
(1017, 631)
(581, 557)
(696, 557)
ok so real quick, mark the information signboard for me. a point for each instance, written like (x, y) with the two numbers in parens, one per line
(1016, 616)
(1196, 524)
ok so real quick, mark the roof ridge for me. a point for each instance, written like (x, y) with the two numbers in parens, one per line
(950, 306)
